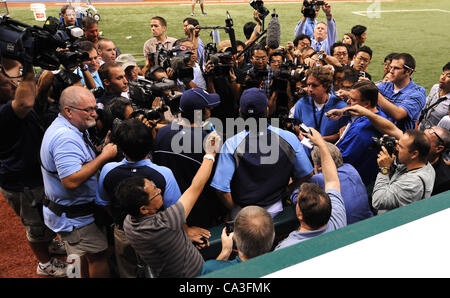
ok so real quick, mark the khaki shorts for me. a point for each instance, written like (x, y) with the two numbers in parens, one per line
(28, 206)
(198, 1)
(85, 240)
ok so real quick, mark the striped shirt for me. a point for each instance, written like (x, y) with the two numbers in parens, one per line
(162, 243)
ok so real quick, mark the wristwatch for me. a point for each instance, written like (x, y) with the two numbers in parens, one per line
(384, 171)
(209, 156)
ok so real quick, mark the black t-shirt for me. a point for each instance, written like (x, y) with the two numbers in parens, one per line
(442, 180)
(184, 166)
(19, 149)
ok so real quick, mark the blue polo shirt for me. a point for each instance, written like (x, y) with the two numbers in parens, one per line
(64, 151)
(114, 172)
(255, 175)
(337, 220)
(353, 192)
(355, 146)
(307, 112)
(95, 76)
(411, 98)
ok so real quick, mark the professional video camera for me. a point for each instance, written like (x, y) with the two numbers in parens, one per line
(177, 59)
(309, 10)
(387, 141)
(258, 5)
(222, 62)
(47, 47)
(143, 92)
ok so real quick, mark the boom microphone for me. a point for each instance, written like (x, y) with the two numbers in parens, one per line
(273, 32)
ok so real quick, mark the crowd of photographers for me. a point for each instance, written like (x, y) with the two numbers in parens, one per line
(91, 152)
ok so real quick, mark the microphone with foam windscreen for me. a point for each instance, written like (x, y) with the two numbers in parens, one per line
(273, 32)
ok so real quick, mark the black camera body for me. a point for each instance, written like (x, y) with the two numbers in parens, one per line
(222, 61)
(229, 227)
(37, 45)
(387, 141)
(309, 10)
(258, 5)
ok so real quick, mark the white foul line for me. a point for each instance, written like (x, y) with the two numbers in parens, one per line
(364, 13)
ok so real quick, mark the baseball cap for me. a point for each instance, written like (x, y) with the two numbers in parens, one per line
(253, 102)
(126, 60)
(197, 99)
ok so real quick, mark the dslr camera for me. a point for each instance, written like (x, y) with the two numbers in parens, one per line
(177, 59)
(309, 10)
(258, 5)
(222, 62)
(387, 141)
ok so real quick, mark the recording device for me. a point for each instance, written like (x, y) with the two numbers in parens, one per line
(38, 45)
(304, 128)
(344, 113)
(258, 5)
(309, 8)
(273, 32)
(362, 74)
(204, 241)
(222, 62)
(143, 92)
(229, 227)
(387, 141)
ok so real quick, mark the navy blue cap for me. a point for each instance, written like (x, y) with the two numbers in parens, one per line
(253, 102)
(197, 99)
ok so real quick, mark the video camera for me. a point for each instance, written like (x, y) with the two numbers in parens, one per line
(177, 59)
(222, 61)
(258, 5)
(143, 92)
(47, 47)
(309, 10)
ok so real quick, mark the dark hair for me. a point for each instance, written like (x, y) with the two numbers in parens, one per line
(161, 20)
(131, 195)
(104, 70)
(301, 37)
(358, 30)
(276, 53)
(350, 74)
(368, 91)
(86, 46)
(248, 29)
(389, 57)
(421, 143)
(191, 21)
(240, 43)
(408, 59)
(365, 49)
(88, 22)
(446, 67)
(134, 138)
(339, 44)
(259, 47)
(181, 41)
(117, 106)
(66, 7)
(315, 205)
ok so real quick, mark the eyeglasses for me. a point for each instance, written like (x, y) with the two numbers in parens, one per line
(260, 58)
(363, 59)
(87, 110)
(159, 193)
(435, 133)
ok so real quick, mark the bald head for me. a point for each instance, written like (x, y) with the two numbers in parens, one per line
(254, 231)
(78, 106)
(72, 95)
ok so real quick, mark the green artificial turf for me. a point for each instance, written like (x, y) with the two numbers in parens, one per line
(424, 34)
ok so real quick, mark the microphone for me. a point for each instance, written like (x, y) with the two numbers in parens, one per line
(273, 32)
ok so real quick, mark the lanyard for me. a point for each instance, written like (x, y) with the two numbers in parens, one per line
(321, 114)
